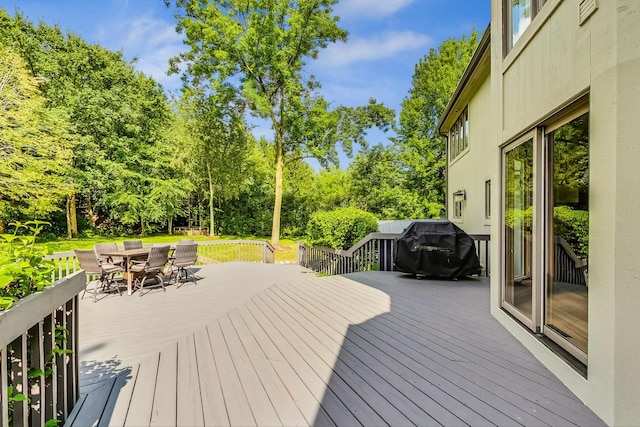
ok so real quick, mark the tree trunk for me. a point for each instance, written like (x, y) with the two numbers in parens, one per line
(277, 206)
(67, 211)
(141, 226)
(1, 226)
(92, 219)
(170, 226)
(74, 215)
(72, 218)
(211, 213)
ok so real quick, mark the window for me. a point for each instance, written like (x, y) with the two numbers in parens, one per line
(487, 199)
(518, 16)
(459, 135)
(458, 202)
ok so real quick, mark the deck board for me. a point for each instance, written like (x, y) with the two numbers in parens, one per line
(143, 393)
(370, 389)
(261, 406)
(237, 405)
(189, 410)
(278, 394)
(117, 406)
(213, 405)
(164, 402)
(252, 346)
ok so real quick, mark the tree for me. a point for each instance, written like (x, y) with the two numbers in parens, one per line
(377, 185)
(260, 48)
(35, 145)
(215, 133)
(119, 117)
(423, 149)
(329, 190)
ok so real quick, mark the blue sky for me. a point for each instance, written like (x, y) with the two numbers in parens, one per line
(386, 39)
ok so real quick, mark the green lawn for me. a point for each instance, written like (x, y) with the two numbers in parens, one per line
(285, 251)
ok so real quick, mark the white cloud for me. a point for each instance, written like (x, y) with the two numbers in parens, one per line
(379, 47)
(153, 41)
(150, 32)
(370, 8)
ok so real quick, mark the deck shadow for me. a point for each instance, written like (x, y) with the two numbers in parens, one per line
(437, 357)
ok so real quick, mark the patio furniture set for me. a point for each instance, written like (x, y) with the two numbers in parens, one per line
(137, 264)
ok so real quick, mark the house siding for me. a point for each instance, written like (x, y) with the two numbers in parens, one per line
(470, 170)
(557, 61)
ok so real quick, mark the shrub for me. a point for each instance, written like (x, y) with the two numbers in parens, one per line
(340, 228)
(23, 269)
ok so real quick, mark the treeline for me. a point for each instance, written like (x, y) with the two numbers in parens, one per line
(93, 146)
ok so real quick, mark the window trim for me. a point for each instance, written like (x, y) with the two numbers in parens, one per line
(487, 199)
(510, 54)
(507, 5)
(457, 146)
(458, 205)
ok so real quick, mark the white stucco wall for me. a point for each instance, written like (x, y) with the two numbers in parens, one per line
(470, 170)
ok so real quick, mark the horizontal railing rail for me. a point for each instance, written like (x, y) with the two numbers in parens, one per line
(374, 252)
(39, 355)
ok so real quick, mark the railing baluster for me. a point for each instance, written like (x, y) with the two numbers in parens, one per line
(21, 380)
(36, 355)
(50, 381)
(4, 381)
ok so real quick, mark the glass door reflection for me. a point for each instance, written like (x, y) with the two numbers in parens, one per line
(519, 214)
(566, 308)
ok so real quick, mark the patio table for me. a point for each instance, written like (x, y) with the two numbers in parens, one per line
(129, 255)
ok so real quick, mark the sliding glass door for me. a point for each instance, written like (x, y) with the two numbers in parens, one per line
(567, 293)
(546, 231)
(518, 291)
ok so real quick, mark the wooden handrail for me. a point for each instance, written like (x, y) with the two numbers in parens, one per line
(374, 250)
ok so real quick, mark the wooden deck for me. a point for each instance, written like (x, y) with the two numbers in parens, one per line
(275, 345)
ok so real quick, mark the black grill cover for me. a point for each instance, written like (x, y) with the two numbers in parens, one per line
(436, 248)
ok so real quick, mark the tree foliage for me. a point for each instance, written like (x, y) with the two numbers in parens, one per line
(120, 117)
(216, 146)
(423, 150)
(377, 184)
(35, 144)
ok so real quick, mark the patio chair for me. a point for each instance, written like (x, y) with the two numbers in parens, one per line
(186, 241)
(132, 244)
(153, 267)
(103, 248)
(93, 267)
(184, 257)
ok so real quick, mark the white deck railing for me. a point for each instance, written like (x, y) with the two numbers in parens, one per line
(259, 251)
(39, 355)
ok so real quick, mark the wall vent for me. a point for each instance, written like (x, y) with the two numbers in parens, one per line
(587, 7)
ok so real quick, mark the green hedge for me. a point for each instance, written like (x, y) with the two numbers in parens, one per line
(573, 226)
(340, 228)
